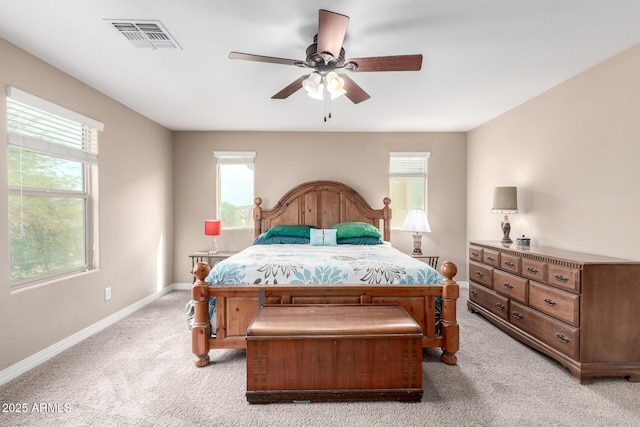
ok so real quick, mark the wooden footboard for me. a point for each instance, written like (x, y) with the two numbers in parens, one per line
(236, 307)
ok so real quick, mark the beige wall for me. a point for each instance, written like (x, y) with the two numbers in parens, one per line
(573, 153)
(284, 160)
(136, 207)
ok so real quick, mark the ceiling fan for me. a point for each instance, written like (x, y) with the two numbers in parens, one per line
(326, 57)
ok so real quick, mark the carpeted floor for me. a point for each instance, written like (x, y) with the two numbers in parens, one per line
(130, 376)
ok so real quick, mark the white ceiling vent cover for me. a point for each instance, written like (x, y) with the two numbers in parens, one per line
(145, 34)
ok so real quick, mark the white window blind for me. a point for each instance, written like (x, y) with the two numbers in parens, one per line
(408, 164)
(40, 126)
(234, 157)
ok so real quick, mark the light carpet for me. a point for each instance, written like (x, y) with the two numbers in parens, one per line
(139, 372)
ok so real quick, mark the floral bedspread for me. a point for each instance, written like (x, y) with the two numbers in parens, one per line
(306, 264)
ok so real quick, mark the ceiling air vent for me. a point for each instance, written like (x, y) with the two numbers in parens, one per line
(145, 34)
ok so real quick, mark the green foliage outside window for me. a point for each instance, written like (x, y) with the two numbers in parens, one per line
(47, 215)
(235, 194)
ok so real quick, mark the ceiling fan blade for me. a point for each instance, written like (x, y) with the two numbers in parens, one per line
(291, 89)
(332, 28)
(388, 63)
(354, 92)
(260, 58)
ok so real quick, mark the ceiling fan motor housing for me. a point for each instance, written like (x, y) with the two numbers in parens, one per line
(324, 61)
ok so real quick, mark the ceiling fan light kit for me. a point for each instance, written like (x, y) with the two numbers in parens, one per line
(316, 83)
(326, 57)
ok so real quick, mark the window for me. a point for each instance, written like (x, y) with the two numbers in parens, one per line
(235, 188)
(53, 157)
(407, 184)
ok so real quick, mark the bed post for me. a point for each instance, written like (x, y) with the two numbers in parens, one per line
(257, 217)
(201, 330)
(450, 327)
(386, 219)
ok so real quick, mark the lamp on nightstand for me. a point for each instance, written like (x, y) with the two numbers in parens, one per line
(505, 201)
(212, 228)
(416, 221)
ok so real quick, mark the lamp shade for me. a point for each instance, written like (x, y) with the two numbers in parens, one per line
(212, 227)
(416, 221)
(505, 200)
(335, 83)
(313, 83)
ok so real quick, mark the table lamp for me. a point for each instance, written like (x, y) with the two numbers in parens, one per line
(212, 228)
(505, 201)
(416, 221)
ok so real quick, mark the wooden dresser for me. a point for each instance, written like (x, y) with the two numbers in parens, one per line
(582, 310)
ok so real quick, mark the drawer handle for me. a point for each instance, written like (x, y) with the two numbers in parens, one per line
(532, 270)
(490, 258)
(508, 286)
(509, 264)
(517, 315)
(475, 254)
(500, 306)
(479, 273)
(474, 293)
(561, 278)
(549, 301)
(565, 339)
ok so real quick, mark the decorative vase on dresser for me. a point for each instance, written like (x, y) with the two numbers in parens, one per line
(582, 310)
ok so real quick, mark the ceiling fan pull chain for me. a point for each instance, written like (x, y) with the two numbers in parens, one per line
(325, 110)
(327, 99)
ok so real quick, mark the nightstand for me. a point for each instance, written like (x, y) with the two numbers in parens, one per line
(197, 257)
(432, 260)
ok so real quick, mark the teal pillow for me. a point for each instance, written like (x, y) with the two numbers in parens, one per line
(280, 240)
(348, 230)
(323, 237)
(366, 240)
(289, 230)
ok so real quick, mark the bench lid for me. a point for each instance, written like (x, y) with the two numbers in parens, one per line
(332, 319)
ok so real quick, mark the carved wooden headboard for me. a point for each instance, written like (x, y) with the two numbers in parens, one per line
(322, 203)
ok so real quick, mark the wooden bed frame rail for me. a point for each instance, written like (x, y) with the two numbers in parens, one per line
(236, 306)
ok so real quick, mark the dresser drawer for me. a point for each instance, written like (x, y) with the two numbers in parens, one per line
(556, 334)
(493, 302)
(491, 257)
(564, 277)
(481, 273)
(475, 253)
(510, 263)
(536, 270)
(514, 287)
(559, 304)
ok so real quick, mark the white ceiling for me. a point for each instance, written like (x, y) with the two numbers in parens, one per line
(481, 57)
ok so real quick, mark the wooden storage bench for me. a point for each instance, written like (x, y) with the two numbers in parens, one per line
(330, 352)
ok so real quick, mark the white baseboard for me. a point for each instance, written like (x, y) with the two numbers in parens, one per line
(42, 356)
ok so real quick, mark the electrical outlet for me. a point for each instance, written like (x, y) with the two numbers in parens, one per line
(107, 294)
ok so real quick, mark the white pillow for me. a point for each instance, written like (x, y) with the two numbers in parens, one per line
(323, 237)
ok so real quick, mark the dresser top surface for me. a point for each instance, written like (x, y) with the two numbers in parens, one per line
(546, 251)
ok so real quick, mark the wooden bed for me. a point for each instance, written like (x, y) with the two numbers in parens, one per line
(322, 203)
